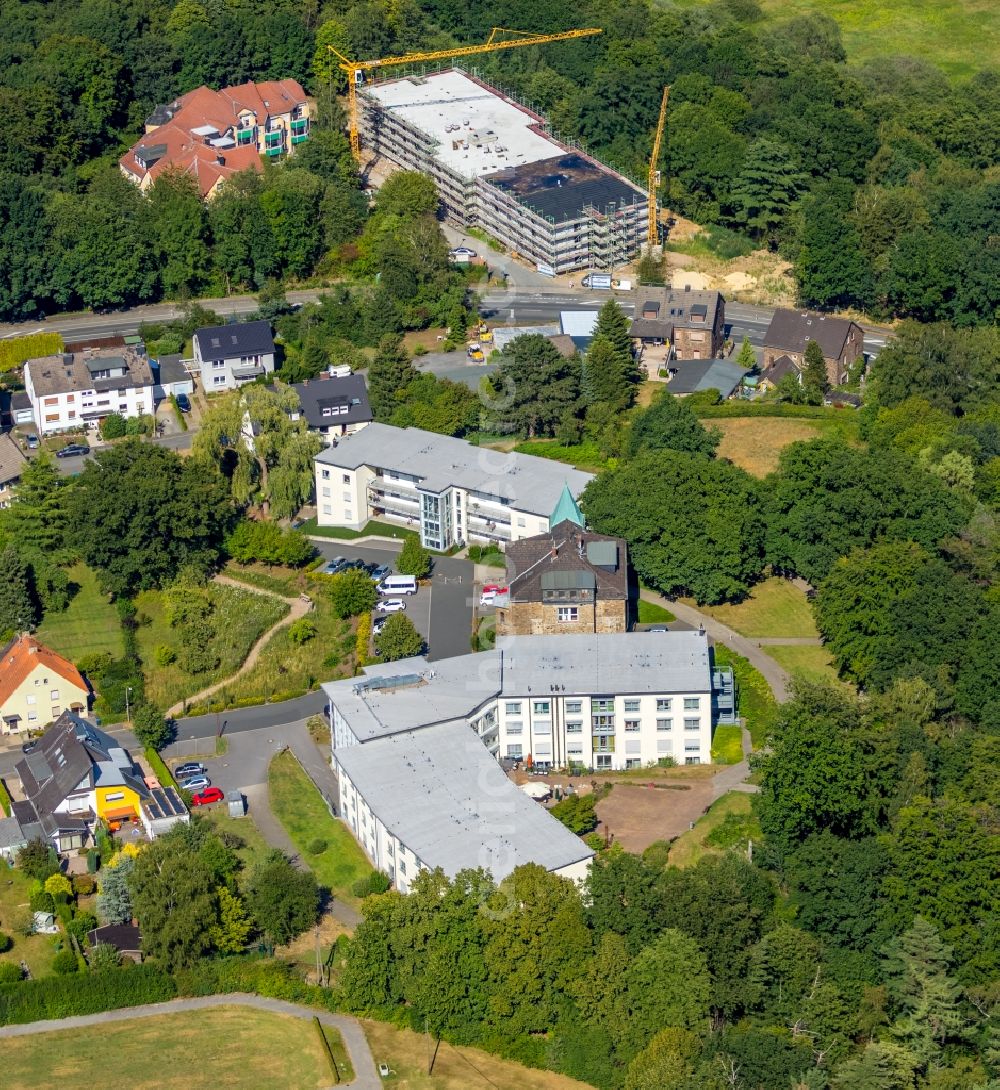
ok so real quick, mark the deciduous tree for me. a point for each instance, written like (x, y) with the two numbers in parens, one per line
(399, 639)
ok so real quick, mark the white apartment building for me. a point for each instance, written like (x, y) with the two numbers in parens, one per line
(447, 488)
(74, 389)
(416, 745)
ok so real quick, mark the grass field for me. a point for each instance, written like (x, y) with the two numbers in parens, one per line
(775, 607)
(754, 442)
(341, 533)
(585, 455)
(37, 950)
(757, 704)
(301, 810)
(255, 847)
(810, 663)
(89, 624)
(653, 613)
(226, 1048)
(726, 825)
(727, 745)
(407, 1054)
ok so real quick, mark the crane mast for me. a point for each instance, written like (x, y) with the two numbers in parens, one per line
(653, 234)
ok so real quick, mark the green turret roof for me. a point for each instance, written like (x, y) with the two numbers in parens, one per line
(567, 508)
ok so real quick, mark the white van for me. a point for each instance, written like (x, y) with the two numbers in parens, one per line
(398, 584)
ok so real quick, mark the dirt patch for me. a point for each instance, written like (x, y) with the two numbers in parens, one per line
(755, 442)
(683, 279)
(637, 815)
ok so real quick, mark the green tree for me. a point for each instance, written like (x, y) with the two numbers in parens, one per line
(533, 389)
(831, 268)
(670, 424)
(604, 378)
(389, 374)
(38, 516)
(268, 457)
(140, 513)
(666, 1063)
(577, 813)
(283, 900)
(623, 897)
(114, 897)
(150, 727)
(784, 969)
(18, 611)
(747, 358)
(179, 233)
(399, 639)
(667, 984)
(352, 593)
(104, 958)
(881, 1066)
(174, 901)
(113, 426)
(977, 690)
(230, 934)
(38, 860)
(693, 526)
(407, 193)
(814, 379)
(613, 325)
(769, 184)
(414, 559)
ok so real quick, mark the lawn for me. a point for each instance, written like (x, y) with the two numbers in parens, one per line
(255, 847)
(727, 744)
(239, 620)
(728, 824)
(88, 625)
(775, 607)
(301, 810)
(754, 442)
(37, 950)
(653, 613)
(756, 701)
(407, 1054)
(225, 1048)
(810, 663)
(372, 527)
(585, 455)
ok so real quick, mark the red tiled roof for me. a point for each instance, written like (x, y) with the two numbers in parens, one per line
(22, 655)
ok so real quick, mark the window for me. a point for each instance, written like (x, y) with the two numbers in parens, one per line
(692, 724)
(116, 797)
(515, 728)
(325, 474)
(567, 613)
(217, 364)
(664, 724)
(575, 749)
(631, 705)
(521, 522)
(514, 751)
(219, 380)
(54, 695)
(512, 707)
(326, 492)
(70, 398)
(541, 727)
(71, 414)
(633, 762)
(574, 727)
(692, 703)
(327, 509)
(348, 516)
(51, 401)
(574, 707)
(52, 418)
(345, 478)
(632, 726)
(602, 760)
(30, 699)
(402, 867)
(32, 716)
(347, 497)
(663, 703)
(540, 707)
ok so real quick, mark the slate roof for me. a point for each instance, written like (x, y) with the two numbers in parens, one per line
(681, 308)
(124, 937)
(221, 342)
(792, 330)
(12, 461)
(783, 365)
(648, 329)
(11, 833)
(171, 369)
(72, 371)
(695, 375)
(331, 392)
(564, 344)
(532, 567)
(22, 655)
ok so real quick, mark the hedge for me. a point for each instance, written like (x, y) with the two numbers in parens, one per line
(4, 799)
(83, 993)
(160, 770)
(363, 639)
(273, 979)
(13, 353)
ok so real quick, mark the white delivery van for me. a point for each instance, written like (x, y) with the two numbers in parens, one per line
(398, 584)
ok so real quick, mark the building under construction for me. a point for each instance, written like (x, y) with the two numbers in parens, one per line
(497, 166)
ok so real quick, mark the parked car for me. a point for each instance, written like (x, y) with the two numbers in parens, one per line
(379, 571)
(194, 783)
(30, 747)
(493, 588)
(192, 768)
(32, 441)
(73, 450)
(209, 795)
(488, 598)
(378, 624)
(391, 605)
(658, 628)
(183, 403)
(335, 565)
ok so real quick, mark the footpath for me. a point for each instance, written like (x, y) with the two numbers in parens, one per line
(365, 1075)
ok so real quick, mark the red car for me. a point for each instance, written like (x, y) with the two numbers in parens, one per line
(210, 794)
(493, 588)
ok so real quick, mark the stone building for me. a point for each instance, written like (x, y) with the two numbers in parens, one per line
(567, 580)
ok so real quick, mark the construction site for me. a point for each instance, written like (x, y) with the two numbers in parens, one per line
(498, 167)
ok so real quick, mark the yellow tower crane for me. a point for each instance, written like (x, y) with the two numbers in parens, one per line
(653, 233)
(356, 69)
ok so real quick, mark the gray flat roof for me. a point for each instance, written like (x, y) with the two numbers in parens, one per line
(694, 375)
(522, 481)
(442, 794)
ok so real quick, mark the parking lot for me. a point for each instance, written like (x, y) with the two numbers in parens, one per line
(442, 611)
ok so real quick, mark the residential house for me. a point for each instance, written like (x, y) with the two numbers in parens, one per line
(12, 838)
(780, 367)
(696, 376)
(126, 938)
(172, 377)
(12, 463)
(841, 341)
(21, 411)
(448, 488)
(76, 776)
(37, 686)
(229, 356)
(673, 323)
(212, 135)
(567, 580)
(334, 405)
(75, 389)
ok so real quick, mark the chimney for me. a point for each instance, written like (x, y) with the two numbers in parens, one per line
(221, 160)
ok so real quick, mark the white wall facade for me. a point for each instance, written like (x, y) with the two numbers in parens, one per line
(233, 371)
(76, 408)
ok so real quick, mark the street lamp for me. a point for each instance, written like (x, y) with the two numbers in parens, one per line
(128, 717)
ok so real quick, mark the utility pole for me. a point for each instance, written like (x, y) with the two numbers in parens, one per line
(128, 716)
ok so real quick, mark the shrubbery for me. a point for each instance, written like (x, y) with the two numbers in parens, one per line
(375, 882)
(274, 979)
(61, 997)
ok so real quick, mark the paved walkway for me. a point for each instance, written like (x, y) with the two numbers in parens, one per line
(297, 607)
(788, 641)
(376, 539)
(365, 1075)
(774, 675)
(733, 777)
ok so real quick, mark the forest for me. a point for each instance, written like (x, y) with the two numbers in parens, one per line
(874, 181)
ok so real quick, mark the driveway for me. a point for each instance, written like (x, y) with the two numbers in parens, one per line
(442, 611)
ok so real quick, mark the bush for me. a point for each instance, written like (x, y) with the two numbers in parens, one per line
(10, 973)
(59, 886)
(64, 962)
(104, 958)
(414, 559)
(86, 993)
(4, 799)
(164, 655)
(273, 979)
(150, 727)
(93, 860)
(84, 884)
(6, 942)
(160, 770)
(41, 902)
(15, 352)
(113, 426)
(302, 631)
(375, 882)
(317, 846)
(80, 924)
(38, 860)
(363, 638)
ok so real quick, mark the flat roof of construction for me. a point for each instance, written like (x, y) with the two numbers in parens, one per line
(476, 129)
